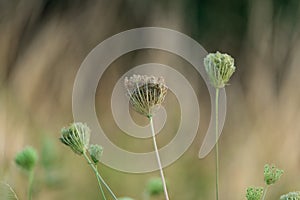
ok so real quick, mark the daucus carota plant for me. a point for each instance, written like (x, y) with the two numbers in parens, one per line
(26, 160)
(254, 193)
(219, 68)
(77, 137)
(146, 93)
(291, 196)
(271, 176)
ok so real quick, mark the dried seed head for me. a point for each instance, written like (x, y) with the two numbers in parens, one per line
(219, 68)
(76, 136)
(146, 93)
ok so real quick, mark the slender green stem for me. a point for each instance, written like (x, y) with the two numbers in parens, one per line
(30, 184)
(100, 185)
(217, 144)
(99, 178)
(265, 192)
(158, 159)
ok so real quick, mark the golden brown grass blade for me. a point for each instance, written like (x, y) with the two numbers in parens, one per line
(6, 192)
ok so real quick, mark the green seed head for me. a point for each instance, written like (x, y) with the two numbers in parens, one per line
(291, 196)
(146, 93)
(154, 187)
(95, 152)
(219, 68)
(254, 193)
(26, 159)
(77, 137)
(271, 174)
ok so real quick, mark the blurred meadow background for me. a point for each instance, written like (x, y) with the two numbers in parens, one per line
(43, 42)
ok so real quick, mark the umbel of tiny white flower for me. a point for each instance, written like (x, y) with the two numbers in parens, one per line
(271, 174)
(291, 196)
(95, 151)
(254, 193)
(219, 67)
(146, 93)
(76, 136)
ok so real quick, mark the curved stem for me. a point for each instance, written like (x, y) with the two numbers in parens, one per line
(265, 192)
(99, 178)
(158, 159)
(30, 184)
(217, 143)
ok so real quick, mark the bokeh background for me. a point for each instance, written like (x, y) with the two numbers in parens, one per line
(43, 42)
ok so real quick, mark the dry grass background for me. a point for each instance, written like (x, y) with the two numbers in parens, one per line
(44, 42)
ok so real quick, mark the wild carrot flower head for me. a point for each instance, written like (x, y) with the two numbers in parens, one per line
(76, 136)
(271, 174)
(219, 68)
(254, 193)
(291, 196)
(146, 93)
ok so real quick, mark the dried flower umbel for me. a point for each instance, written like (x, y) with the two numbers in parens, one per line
(146, 93)
(219, 67)
(77, 137)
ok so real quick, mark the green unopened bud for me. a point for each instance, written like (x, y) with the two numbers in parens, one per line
(76, 136)
(271, 174)
(95, 152)
(26, 159)
(254, 193)
(155, 187)
(291, 196)
(219, 68)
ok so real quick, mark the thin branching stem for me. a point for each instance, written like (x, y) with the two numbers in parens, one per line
(100, 185)
(265, 192)
(99, 178)
(158, 159)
